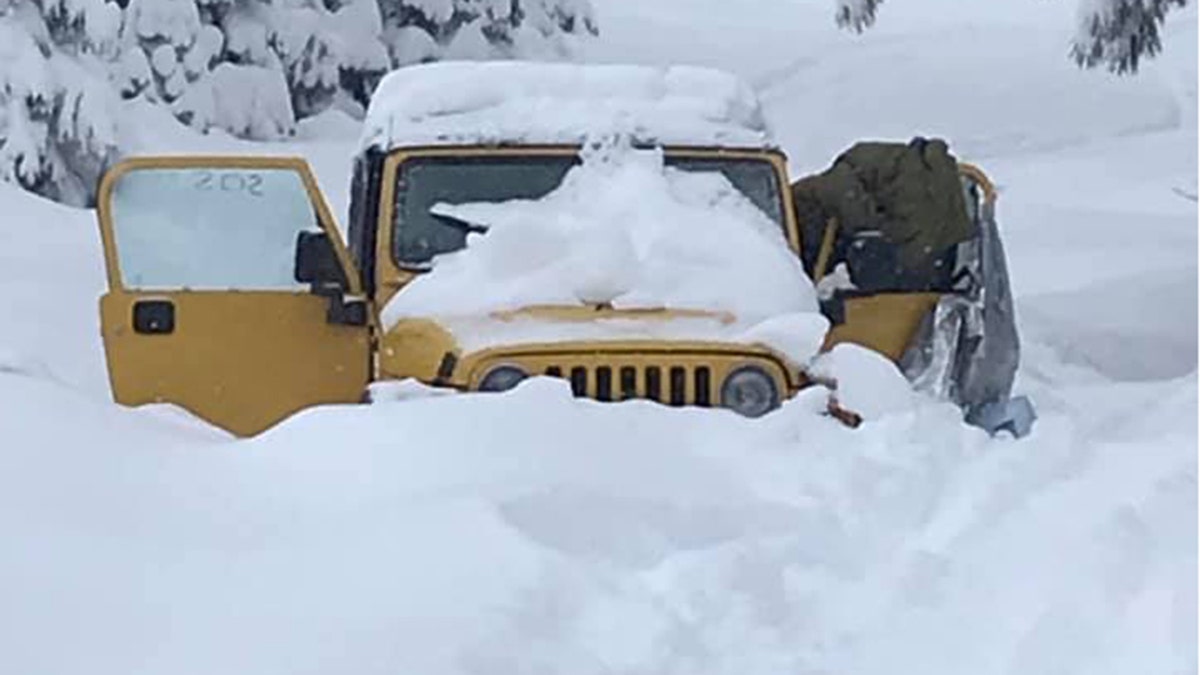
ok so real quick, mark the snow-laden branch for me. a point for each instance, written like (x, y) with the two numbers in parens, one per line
(857, 15)
(1118, 34)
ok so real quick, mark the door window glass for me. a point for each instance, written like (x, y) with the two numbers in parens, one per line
(210, 228)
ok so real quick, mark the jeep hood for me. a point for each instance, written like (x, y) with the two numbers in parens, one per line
(798, 336)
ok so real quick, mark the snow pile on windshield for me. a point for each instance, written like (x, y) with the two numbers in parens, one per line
(466, 103)
(625, 230)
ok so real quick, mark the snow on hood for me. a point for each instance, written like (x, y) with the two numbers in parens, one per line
(623, 230)
(453, 103)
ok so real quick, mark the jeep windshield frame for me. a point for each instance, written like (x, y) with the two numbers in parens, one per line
(421, 179)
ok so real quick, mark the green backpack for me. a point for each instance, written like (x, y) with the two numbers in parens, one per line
(900, 212)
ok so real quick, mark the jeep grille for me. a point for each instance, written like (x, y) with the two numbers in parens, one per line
(676, 385)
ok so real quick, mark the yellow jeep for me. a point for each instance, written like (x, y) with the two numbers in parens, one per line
(232, 292)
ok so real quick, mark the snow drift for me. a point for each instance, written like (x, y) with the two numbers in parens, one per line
(531, 531)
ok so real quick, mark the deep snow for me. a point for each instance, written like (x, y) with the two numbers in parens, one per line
(530, 532)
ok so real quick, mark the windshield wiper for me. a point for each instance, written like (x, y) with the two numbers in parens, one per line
(460, 222)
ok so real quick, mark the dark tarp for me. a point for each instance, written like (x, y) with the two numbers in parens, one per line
(968, 350)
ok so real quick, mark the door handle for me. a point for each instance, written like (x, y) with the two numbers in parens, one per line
(154, 317)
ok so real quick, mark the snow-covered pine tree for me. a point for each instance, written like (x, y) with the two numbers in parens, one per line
(1117, 34)
(250, 67)
(81, 26)
(545, 25)
(857, 15)
(1120, 33)
(325, 51)
(58, 128)
(292, 37)
(426, 30)
(161, 47)
(210, 61)
(363, 59)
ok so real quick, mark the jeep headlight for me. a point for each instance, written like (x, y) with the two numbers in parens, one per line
(749, 391)
(502, 378)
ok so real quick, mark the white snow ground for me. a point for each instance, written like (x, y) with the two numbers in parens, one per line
(555, 535)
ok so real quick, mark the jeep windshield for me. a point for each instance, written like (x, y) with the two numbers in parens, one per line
(425, 182)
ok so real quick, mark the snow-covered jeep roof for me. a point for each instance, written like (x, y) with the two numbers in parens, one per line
(535, 103)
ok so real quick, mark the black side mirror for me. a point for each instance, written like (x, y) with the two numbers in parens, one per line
(317, 262)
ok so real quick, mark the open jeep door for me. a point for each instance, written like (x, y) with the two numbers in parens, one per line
(230, 292)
